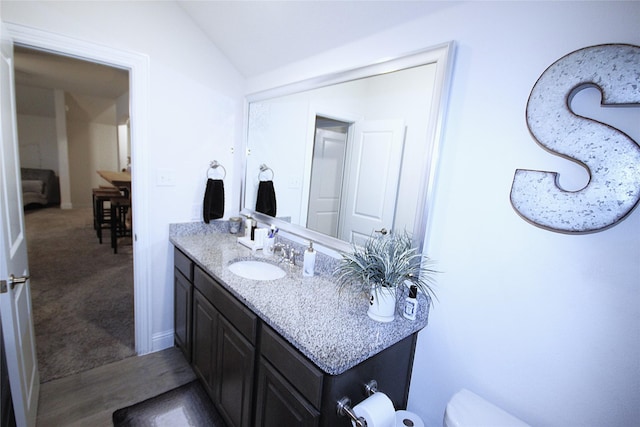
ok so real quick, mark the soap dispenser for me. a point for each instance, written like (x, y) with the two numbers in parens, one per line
(309, 263)
(411, 304)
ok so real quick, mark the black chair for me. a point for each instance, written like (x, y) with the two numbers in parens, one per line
(120, 207)
(101, 213)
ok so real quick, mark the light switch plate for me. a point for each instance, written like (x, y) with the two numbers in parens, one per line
(295, 182)
(165, 178)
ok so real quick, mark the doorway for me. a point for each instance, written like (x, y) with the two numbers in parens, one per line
(139, 75)
(327, 173)
(83, 130)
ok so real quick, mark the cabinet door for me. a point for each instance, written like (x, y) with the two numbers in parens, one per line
(279, 404)
(234, 375)
(204, 341)
(182, 310)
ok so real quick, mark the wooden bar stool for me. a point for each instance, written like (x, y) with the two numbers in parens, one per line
(102, 215)
(119, 208)
(102, 190)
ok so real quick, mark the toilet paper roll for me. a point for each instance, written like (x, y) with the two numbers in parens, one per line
(408, 419)
(377, 410)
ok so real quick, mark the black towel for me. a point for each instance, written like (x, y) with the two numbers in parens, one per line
(266, 200)
(213, 205)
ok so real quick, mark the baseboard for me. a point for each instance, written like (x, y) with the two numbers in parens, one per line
(162, 341)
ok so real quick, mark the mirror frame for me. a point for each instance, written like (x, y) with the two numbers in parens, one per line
(442, 57)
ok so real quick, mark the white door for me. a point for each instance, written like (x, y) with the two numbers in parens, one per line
(373, 175)
(15, 296)
(329, 150)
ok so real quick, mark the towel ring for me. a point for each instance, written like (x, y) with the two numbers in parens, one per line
(264, 168)
(215, 165)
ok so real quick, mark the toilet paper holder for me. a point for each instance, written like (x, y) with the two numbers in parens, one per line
(344, 405)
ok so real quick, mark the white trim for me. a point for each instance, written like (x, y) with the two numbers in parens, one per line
(433, 54)
(439, 108)
(63, 150)
(138, 65)
(162, 340)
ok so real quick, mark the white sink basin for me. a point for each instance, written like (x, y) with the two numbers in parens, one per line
(257, 270)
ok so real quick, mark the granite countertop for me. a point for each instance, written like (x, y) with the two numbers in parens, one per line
(328, 325)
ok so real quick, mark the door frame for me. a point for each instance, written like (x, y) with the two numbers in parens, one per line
(138, 66)
(321, 137)
(332, 112)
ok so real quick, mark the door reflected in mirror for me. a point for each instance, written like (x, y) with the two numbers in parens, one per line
(327, 170)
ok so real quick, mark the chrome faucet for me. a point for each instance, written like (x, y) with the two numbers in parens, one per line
(280, 247)
(288, 253)
(292, 256)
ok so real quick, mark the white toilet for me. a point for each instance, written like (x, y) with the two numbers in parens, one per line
(466, 409)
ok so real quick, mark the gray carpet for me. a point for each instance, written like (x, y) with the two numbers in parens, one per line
(82, 294)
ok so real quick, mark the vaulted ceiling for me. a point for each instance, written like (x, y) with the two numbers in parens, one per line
(259, 36)
(256, 37)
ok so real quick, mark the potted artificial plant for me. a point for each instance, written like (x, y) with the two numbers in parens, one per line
(380, 267)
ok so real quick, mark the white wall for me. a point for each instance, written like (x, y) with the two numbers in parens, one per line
(545, 325)
(37, 128)
(92, 147)
(92, 137)
(37, 142)
(194, 115)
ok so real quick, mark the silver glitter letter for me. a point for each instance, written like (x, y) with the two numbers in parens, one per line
(611, 157)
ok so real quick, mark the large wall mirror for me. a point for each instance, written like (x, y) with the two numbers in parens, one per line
(351, 153)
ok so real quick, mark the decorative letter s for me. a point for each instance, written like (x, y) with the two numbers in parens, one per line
(611, 157)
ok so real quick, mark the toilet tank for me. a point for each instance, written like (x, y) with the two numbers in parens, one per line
(468, 409)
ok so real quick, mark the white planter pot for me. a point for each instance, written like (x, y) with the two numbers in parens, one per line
(382, 304)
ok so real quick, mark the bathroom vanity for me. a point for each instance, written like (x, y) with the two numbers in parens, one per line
(281, 352)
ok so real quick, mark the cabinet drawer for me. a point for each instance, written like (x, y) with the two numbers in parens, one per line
(183, 264)
(300, 372)
(278, 403)
(232, 309)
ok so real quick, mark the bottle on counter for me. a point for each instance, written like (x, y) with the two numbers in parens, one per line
(411, 304)
(309, 263)
(254, 227)
(247, 227)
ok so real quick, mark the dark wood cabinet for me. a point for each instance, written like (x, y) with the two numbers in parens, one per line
(303, 375)
(204, 342)
(224, 353)
(278, 403)
(391, 368)
(183, 302)
(234, 375)
(224, 360)
(257, 378)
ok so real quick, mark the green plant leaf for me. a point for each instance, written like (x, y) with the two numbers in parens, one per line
(386, 261)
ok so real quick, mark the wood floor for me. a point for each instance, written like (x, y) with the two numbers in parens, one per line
(90, 398)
